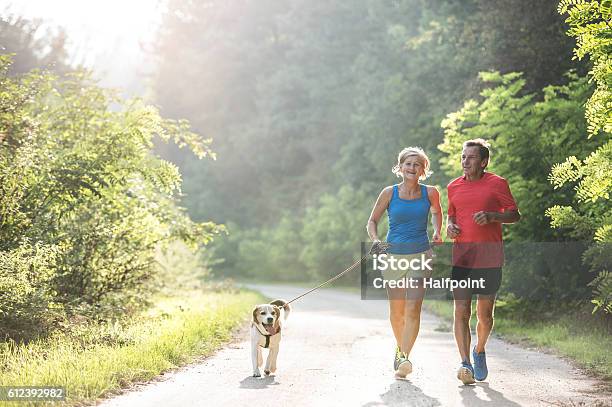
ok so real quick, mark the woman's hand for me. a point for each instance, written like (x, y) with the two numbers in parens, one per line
(436, 238)
(379, 247)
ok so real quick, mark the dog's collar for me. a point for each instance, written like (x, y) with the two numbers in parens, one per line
(267, 335)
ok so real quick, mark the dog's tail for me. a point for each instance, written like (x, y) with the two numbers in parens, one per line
(283, 304)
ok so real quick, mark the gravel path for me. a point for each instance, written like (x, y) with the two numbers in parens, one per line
(338, 350)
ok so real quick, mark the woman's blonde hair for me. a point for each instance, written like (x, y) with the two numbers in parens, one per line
(409, 152)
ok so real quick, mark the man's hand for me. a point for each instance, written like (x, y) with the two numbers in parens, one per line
(452, 230)
(483, 218)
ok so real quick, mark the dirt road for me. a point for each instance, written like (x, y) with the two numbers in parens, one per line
(338, 350)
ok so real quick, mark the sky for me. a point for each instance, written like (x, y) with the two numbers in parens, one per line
(105, 35)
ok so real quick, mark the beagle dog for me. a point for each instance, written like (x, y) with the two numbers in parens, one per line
(266, 333)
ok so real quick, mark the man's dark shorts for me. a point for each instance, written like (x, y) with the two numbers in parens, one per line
(492, 280)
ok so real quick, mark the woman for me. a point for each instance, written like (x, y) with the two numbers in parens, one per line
(408, 205)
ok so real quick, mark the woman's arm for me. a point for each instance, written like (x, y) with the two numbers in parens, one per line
(379, 208)
(436, 213)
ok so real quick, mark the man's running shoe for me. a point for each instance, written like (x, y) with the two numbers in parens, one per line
(480, 365)
(466, 373)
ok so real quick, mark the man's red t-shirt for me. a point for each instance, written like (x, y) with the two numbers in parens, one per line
(490, 194)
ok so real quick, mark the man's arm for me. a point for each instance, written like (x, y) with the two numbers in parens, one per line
(510, 213)
(452, 229)
(510, 216)
(483, 218)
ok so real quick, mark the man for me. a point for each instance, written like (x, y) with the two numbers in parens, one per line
(478, 203)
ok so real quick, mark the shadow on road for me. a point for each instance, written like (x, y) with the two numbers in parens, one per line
(494, 398)
(404, 393)
(263, 382)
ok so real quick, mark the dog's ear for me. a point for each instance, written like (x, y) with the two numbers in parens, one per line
(277, 317)
(255, 311)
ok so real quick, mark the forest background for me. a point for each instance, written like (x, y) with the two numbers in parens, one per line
(294, 112)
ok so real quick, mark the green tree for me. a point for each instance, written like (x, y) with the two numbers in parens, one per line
(590, 216)
(84, 203)
(529, 132)
(333, 231)
(304, 98)
(272, 252)
(31, 47)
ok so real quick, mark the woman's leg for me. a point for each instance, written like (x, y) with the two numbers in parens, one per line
(412, 319)
(397, 310)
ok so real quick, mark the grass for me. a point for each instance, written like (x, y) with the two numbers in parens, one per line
(101, 359)
(574, 336)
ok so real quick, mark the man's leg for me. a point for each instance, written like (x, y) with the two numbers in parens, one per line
(463, 312)
(485, 306)
(484, 310)
(461, 325)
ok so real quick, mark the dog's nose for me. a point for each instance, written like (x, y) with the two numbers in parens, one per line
(270, 319)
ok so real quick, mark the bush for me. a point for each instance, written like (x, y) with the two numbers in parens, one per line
(27, 299)
(84, 203)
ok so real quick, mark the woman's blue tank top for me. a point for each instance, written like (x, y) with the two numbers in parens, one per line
(408, 223)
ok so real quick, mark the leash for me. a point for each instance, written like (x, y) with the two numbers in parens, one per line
(337, 276)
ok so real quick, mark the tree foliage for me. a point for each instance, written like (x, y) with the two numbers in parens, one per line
(84, 202)
(590, 24)
(30, 47)
(303, 98)
(529, 132)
